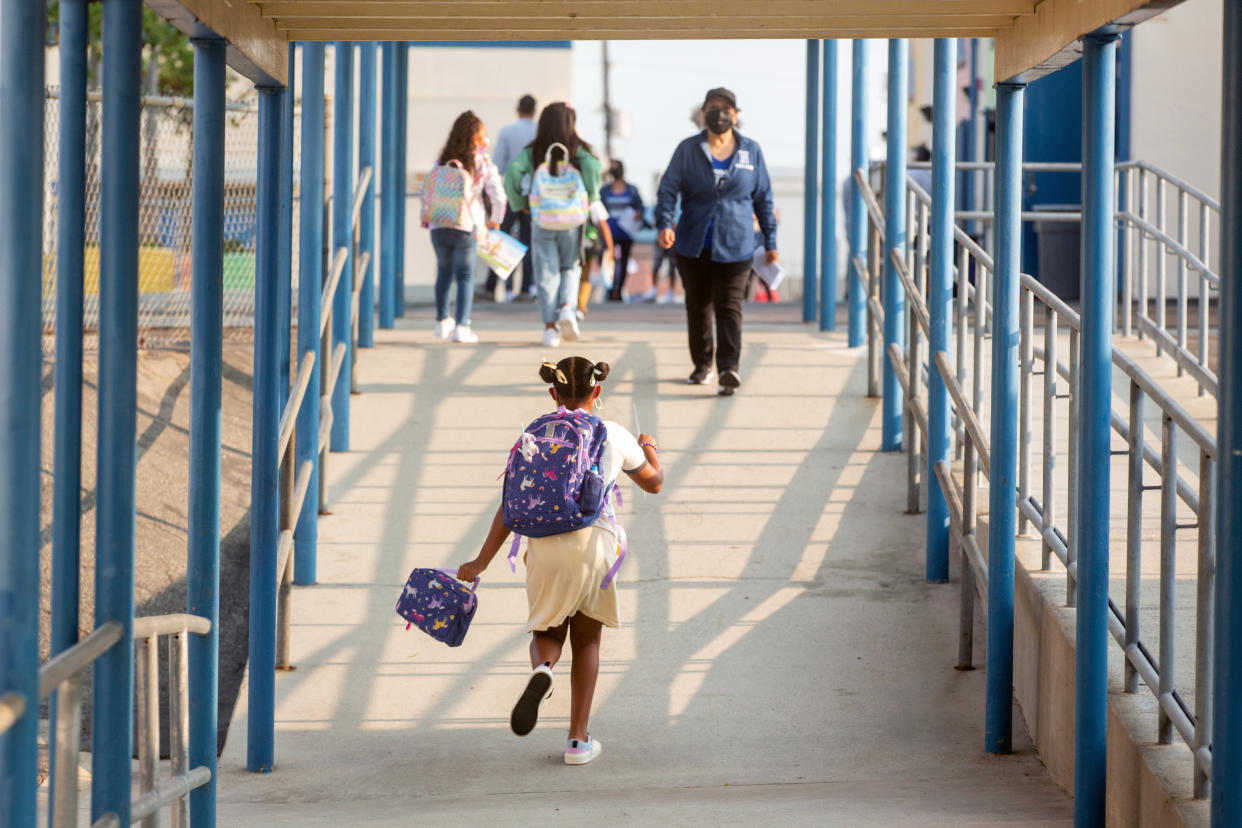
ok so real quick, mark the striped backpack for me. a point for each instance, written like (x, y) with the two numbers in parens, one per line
(558, 198)
(444, 196)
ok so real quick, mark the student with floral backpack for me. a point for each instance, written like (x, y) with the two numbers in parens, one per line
(565, 179)
(559, 474)
(453, 209)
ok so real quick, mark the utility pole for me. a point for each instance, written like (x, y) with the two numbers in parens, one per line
(607, 103)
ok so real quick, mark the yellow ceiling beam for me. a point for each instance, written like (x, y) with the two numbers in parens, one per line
(808, 26)
(618, 10)
(699, 33)
(256, 49)
(1047, 40)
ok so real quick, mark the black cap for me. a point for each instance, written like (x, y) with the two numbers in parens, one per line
(720, 92)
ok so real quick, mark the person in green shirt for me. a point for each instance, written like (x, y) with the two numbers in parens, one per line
(555, 253)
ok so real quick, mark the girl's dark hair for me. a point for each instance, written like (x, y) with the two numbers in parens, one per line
(617, 170)
(573, 377)
(460, 144)
(557, 125)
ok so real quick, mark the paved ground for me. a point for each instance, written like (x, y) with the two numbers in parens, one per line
(783, 661)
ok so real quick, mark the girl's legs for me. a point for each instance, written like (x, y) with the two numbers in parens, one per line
(545, 258)
(463, 274)
(585, 288)
(441, 242)
(584, 638)
(546, 645)
(568, 245)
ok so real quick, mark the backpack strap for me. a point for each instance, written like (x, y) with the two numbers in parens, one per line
(623, 543)
(513, 550)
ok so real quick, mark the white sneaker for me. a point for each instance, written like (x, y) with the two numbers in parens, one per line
(581, 314)
(444, 328)
(526, 712)
(579, 753)
(551, 339)
(568, 322)
(462, 333)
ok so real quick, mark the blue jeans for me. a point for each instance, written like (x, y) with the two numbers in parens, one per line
(454, 263)
(554, 254)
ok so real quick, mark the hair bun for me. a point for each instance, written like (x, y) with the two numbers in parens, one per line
(547, 372)
(600, 371)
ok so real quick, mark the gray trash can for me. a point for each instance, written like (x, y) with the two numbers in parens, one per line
(1057, 244)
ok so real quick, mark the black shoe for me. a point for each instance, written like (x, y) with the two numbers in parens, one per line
(730, 381)
(701, 376)
(526, 711)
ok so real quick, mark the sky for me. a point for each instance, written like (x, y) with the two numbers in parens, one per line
(655, 84)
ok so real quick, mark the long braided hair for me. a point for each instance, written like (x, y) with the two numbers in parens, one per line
(573, 377)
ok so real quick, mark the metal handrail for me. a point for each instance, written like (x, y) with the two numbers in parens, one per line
(295, 478)
(63, 675)
(972, 312)
(12, 706)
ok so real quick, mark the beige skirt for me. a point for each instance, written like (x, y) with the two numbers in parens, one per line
(563, 574)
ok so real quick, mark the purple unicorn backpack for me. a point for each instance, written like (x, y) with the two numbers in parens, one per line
(438, 604)
(552, 480)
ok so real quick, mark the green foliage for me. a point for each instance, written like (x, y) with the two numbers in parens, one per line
(169, 48)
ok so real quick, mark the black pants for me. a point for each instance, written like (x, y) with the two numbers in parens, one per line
(522, 220)
(621, 250)
(719, 288)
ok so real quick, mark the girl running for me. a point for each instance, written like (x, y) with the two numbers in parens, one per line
(564, 572)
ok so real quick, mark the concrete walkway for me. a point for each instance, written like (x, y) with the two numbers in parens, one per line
(782, 660)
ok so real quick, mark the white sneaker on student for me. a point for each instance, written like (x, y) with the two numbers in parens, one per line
(568, 322)
(551, 339)
(462, 333)
(526, 711)
(578, 752)
(444, 328)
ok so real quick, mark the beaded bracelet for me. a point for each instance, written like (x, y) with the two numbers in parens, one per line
(652, 445)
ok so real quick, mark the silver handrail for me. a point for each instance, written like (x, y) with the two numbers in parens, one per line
(971, 313)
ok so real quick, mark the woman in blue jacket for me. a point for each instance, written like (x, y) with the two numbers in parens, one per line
(724, 185)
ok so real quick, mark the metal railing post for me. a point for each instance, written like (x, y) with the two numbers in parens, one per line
(856, 215)
(264, 471)
(403, 130)
(940, 300)
(179, 722)
(1168, 570)
(828, 225)
(1134, 530)
(342, 233)
(1204, 618)
(1026, 358)
(389, 188)
(1003, 441)
(810, 186)
(894, 239)
(112, 710)
(147, 686)
(310, 284)
(67, 410)
(1095, 427)
(206, 347)
(875, 336)
(1227, 672)
(1051, 385)
(284, 570)
(366, 228)
(21, 269)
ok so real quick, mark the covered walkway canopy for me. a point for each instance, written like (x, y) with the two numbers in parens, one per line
(1033, 37)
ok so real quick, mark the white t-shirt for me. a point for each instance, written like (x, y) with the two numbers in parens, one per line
(621, 452)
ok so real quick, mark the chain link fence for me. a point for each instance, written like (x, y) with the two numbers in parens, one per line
(164, 216)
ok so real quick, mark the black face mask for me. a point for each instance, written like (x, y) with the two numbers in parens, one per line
(718, 121)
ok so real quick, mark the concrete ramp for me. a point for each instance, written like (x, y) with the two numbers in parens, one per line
(782, 659)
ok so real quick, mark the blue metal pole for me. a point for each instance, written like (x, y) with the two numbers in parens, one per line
(940, 297)
(857, 213)
(1094, 427)
(366, 223)
(388, 192)
(112, 716)
(21, 269)
(70, 259)
(1002, 500)
(342, 231)
(1227, 717)
(972, 149)
(828, 227)
(264, 471)
(206, 335)
(285, 301)
(810, 186)
(894, 239)
(310, 284)
(403, 132)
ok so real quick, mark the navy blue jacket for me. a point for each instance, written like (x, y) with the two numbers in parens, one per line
(745, 192)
